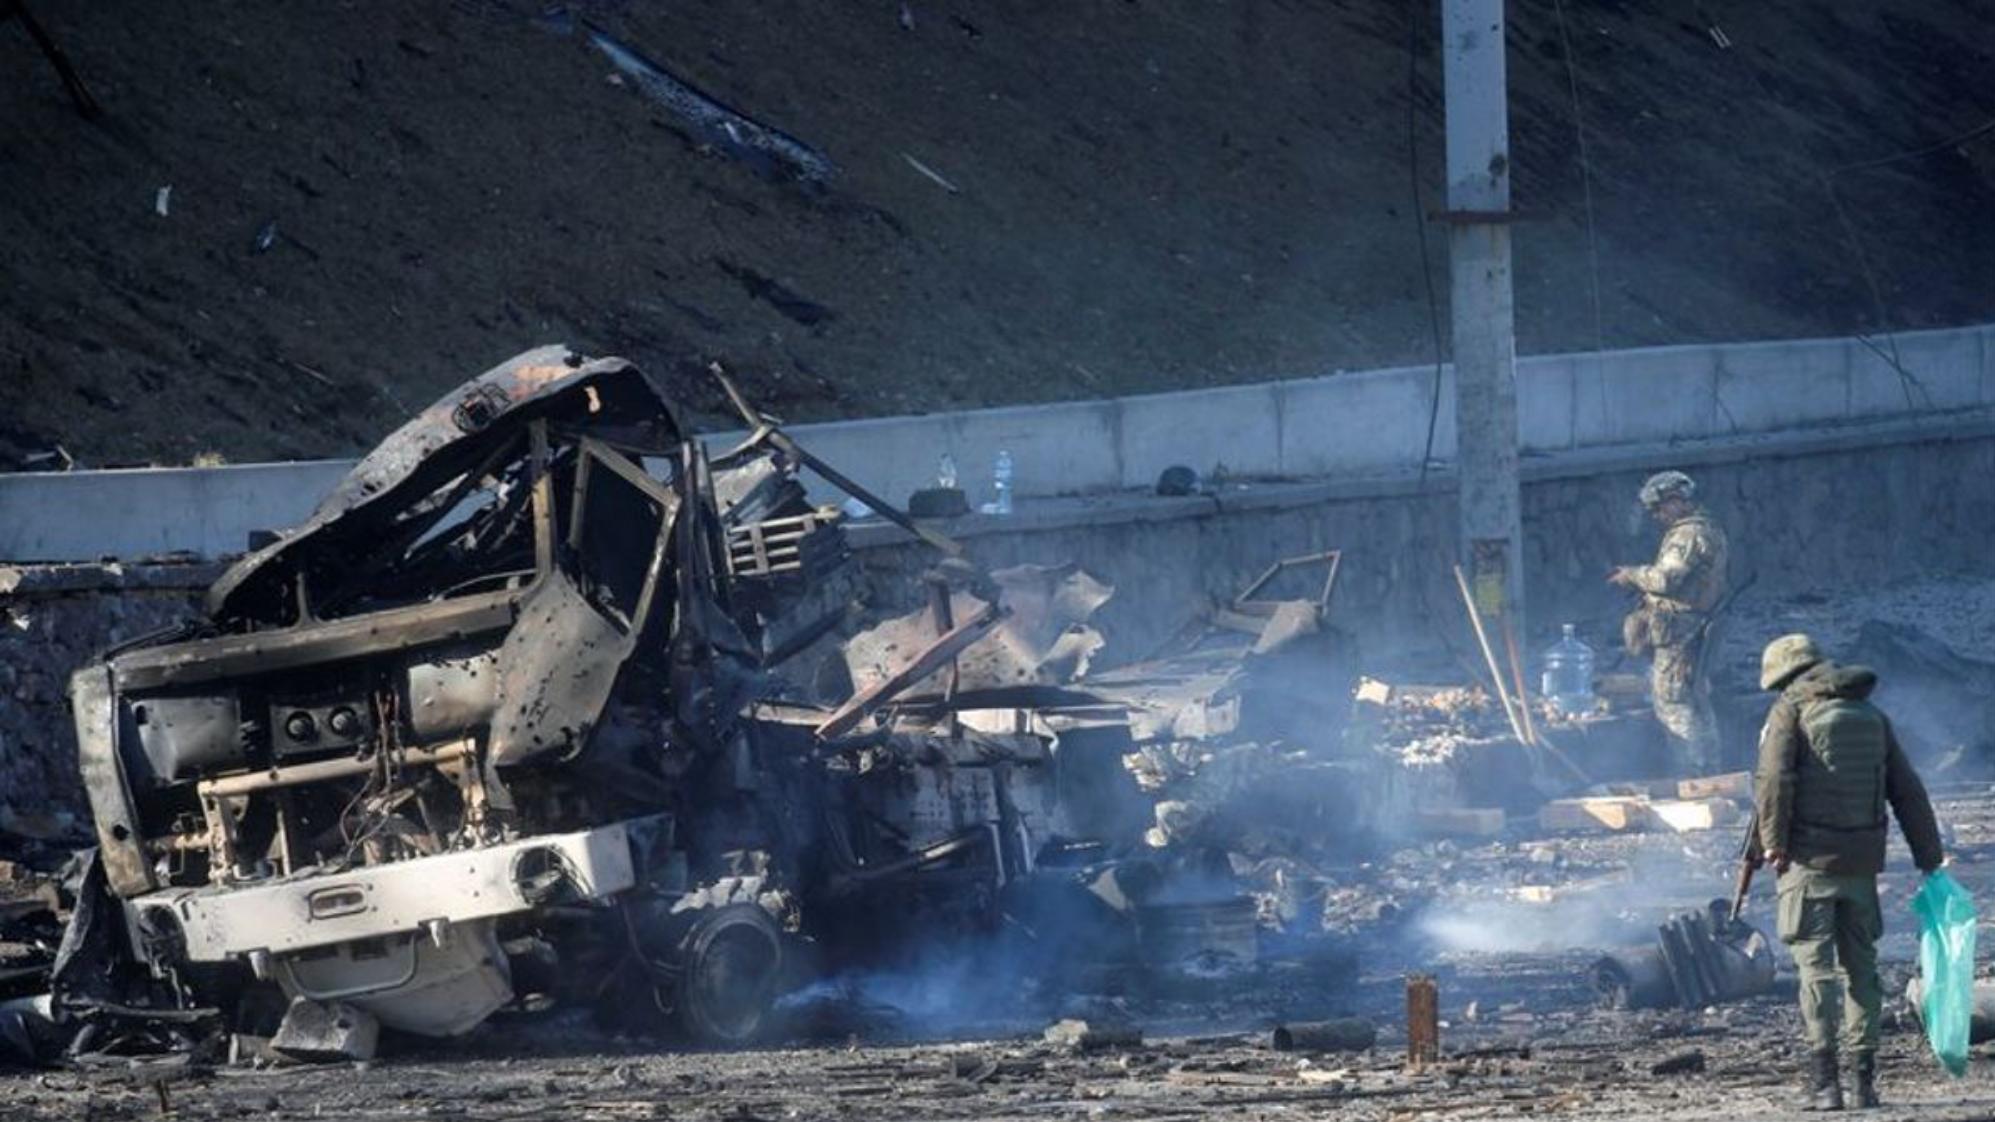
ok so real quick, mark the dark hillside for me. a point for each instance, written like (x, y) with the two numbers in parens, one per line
(1148, 194)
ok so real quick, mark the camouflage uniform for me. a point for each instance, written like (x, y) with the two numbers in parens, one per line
(1679, 592)
(1829, 766)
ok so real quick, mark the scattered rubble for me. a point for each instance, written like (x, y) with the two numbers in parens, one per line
(1686, 1062)
(770, 150)
(1091, 1036)
(1700, 958)
(1348, 1034)
(547, 712)
(325, 1031)
(505, 724)
(1679, 805)
(1981, 1022)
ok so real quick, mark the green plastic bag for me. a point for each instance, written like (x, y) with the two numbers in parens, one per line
(1946, 963)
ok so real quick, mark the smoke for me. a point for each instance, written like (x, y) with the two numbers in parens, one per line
(1508, 927)
(947, 987)
(946, 993)
(1592, 915)
(1064, 940)
(1937, 698)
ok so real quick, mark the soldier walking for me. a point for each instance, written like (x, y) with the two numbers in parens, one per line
(1673, 622)
(1829, 764)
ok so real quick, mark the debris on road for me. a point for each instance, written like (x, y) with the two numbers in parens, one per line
(326, 1031)
(768, 149)
(1092, 1036)
(1348, 1034)
(1639, 812)
(548, 709)
(931, 175)
(1700, 958)
(501, 724)
(1687, 1062)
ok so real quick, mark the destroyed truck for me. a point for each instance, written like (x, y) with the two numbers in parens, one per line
(504, 715)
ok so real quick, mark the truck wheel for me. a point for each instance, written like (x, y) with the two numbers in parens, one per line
(733, 960)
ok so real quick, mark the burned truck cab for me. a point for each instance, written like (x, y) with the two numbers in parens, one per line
(471, 701)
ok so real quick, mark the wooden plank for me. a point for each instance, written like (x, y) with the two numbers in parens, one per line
(1474, 822)
(1731, 785)
(1684, 815)
(1637, 789)
(763, 531)
(1612, 813)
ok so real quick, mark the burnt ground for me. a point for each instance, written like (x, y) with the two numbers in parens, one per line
(1150, 194)
(1522, 1036)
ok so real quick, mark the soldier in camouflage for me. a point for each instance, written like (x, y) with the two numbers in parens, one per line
(1679, 593)
(1829, 766)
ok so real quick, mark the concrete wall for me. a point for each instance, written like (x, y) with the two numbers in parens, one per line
(1368, 424)
(1869, 507)
(1853, 509)
(52, 620)
(147, 512)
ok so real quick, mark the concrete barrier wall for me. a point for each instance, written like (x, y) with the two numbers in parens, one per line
(1870, 507)
(1365, 424)
(89, 515)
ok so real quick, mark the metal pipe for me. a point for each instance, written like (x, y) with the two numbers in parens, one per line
(935, 657)
(1347, 1034)
(762, 428)
(1423, 1023)
(320, 771)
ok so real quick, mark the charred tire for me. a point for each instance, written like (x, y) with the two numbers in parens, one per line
(731, 962)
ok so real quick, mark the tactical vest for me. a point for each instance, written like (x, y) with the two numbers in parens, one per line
(1839, 781)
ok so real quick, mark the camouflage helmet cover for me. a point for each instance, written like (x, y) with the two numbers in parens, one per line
(1785, 658)
(1667, 485)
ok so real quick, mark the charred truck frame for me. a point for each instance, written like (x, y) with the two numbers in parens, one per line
(506, 706)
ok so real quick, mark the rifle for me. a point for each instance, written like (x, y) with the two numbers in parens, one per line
(1750, 859)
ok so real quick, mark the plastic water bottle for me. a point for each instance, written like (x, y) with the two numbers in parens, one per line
(1568, 675)
(945, 472)
(1001, 479)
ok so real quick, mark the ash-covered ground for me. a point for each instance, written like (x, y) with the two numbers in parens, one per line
(1509, 928)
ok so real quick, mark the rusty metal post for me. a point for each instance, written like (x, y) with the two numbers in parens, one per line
(1423, 1021)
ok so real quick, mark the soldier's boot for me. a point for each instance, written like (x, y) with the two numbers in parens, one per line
(1825, 1084)
(1866, 1081)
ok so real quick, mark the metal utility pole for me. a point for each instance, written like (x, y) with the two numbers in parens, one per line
(1479, 219)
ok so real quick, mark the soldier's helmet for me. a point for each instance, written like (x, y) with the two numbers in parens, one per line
(1667, 485)
(1785, 658)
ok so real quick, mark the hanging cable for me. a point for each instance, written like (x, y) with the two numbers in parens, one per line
(1909, 383)
(1585, 175)
(1906, 379)
(1975, 133)
(1413, 8)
